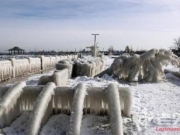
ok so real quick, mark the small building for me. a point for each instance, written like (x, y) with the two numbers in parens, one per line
(16, 50)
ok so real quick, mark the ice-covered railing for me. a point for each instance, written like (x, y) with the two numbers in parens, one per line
(59, 77)
(89, 67)
(66, 64)
(35, 64)
(6, 70)
(21, 66)
(18, 67)
(43, 109)
(9, 104)
(48, 99)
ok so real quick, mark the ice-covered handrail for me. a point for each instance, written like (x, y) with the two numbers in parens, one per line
(65, 64)
(18, 67)
(3, 90)
(29, 97)
(9, 104)
(59, 77)
(114, 109)
(89, 68)
(126, 100)
(42, 109)
(77, 110)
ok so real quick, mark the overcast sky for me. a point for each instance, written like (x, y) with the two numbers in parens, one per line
(68, 24)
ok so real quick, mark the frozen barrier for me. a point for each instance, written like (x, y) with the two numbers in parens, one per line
(59, 77)
(3, 90)
(18, 67)
(35, 64)
(46, 100)
(88, 68)
(29, 96)
(113, 100)
(6, 70)
(43, 109)
(21, 66)
(65, 64)
(77, 110)
(9, 108)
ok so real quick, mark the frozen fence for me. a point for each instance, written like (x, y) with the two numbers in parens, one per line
(65, 64)
(6, 70)
(46, 100)
(89, 68)
(35, 64)
(59, 77)
(9, 108)
(18, 67)
(43, 109)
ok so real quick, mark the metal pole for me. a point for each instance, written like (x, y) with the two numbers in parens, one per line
(94, 44)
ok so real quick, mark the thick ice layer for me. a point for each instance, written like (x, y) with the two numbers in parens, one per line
(90, 67)
(42, 110)
(113, 99)
(77, 110)
(10, 104)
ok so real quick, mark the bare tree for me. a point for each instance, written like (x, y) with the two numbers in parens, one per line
(111, 49)
(127, 49)
(177, 43)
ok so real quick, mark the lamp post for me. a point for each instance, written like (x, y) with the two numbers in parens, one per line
(95, 47)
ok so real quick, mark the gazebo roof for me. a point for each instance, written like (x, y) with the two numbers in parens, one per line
(16, 48)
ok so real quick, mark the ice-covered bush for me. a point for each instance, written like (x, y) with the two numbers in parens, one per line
(146, 67)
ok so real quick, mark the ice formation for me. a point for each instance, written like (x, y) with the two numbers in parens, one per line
(126, 99)
(46, 100)
(90, 67)
(147, 67)
(114, 109)
(5, 70)
(18, 67)
(65, 64)
(9, 104)
(42, 110)
(59, 77)
(77, 110)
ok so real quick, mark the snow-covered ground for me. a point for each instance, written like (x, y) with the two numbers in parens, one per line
(155, 105)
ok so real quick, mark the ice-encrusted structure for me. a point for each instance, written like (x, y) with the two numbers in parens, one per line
(46, 100)
(9, 104)
(77, 110)
(18, 67)
(89, 67)
(146, 67)
(65, 64)
(59, 77)
(5, 70)
(42, 110)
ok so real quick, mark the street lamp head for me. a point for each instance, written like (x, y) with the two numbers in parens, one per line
(94, 34)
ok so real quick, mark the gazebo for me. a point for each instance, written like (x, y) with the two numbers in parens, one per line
(16, 50)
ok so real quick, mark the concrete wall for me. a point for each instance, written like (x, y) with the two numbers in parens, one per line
(18, 67)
